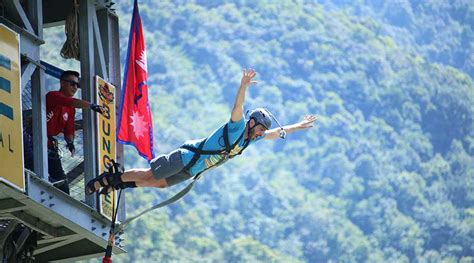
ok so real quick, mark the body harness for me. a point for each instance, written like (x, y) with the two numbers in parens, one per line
(198, 151)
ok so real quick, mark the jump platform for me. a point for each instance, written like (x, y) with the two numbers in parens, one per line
(61, 226)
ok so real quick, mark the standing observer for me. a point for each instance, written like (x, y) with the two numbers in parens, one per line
(60, 111)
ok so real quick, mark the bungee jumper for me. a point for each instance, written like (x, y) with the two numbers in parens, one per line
(197, 156)
(194, 157)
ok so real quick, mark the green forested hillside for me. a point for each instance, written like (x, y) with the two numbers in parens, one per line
(387, 174)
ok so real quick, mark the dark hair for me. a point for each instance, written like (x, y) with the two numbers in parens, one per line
(69, 72)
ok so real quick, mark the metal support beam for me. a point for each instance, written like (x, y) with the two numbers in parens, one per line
(99, 50)
(115, 76)
(35, 13)
(27, 70)
(23, 17)
(64, 226)
(9, 205)
(38, 98)
(30, 41)
(20, 30)
(70, 239)
(74, 215)
(16, 8)
(29, 44)
(109, 31)
(56, 239)
(87, 9)
(37, 225)
(21, 239)
(6, 233)
(108, 25)
(104, 28)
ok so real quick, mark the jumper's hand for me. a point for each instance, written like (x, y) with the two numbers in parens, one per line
(307, 122)
(247, 78)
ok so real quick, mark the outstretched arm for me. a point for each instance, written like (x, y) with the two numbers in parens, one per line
(78, 103)
(247, 80)
(306, 123)
(58, 98)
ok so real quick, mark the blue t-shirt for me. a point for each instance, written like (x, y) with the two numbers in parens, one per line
(216, 142)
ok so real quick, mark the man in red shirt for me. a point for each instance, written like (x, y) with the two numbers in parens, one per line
(60, 111)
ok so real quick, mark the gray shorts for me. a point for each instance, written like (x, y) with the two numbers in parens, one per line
(170, 167)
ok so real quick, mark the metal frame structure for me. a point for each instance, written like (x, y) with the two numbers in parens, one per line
(45, 223)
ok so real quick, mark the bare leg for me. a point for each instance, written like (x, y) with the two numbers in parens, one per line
(143, 178)
(164, 166)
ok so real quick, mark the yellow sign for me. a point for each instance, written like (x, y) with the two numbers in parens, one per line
(11, 138)
(106, 139)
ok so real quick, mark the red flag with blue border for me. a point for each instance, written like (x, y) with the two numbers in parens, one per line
(135, 126)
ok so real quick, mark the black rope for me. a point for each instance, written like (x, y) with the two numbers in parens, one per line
(108, 252)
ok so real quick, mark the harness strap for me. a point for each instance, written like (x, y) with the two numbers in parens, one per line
(228, 147)
(246, 143)
(197, 154)
(120, 227)
(116, 170)
(225, 132)
(197, 151)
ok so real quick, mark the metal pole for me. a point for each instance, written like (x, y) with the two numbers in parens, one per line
(87, 10)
